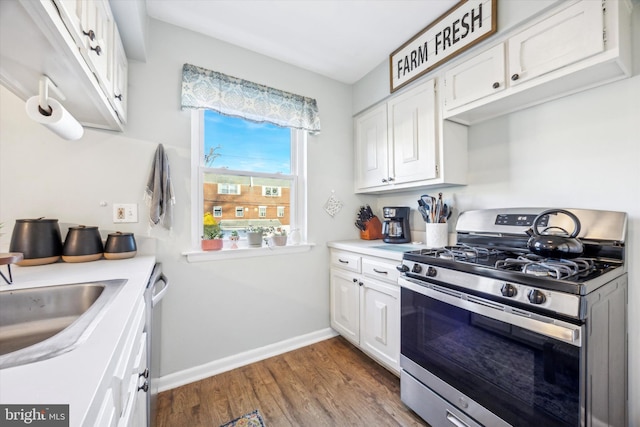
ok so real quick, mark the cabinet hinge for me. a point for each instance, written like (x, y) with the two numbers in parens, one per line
(437, 171)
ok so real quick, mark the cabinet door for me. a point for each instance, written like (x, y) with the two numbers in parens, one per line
(570, 35)
(72, 14)
(98, 49)
(412, 134)
(380, 335)
(120, 78)
(345, 304)
(371, 151)
(475, 78)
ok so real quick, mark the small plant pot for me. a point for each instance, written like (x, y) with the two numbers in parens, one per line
(279, 240)
(212, 244)
(254, 238)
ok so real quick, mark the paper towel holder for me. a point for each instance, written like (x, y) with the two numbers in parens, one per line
(45, 83)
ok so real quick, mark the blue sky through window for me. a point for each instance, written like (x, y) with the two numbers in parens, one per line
(247, 146)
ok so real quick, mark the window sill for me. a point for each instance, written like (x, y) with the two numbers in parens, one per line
(201, 256)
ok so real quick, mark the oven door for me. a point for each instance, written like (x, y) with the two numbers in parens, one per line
(490, 360)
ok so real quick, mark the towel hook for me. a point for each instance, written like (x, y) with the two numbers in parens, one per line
(45, 83)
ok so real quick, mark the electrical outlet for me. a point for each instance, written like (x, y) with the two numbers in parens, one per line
(125, 212)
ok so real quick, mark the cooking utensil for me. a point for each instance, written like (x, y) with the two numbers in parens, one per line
(555, 245)
(82, 244)
(38, 240)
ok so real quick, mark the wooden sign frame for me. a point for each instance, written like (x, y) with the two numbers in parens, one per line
(461, 27)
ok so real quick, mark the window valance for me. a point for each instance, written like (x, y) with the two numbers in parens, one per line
(202, 88)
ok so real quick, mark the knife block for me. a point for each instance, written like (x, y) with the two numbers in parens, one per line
(373, 229)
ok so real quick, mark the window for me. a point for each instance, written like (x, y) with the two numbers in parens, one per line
(226, 188)
(271, 191)
(250, 173)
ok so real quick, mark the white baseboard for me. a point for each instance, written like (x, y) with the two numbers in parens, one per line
(215, 367)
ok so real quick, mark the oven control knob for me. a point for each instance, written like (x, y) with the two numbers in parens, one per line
(508, 290)
(536, 297)
(402, 268)
(417, 268)
(432, 272)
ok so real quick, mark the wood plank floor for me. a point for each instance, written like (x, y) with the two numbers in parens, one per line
(330, 383)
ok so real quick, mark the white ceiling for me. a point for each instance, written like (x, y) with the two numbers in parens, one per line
(340, 39)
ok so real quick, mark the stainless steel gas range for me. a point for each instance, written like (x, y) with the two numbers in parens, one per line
(494, 334)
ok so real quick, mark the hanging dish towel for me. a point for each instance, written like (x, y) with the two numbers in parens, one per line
(159, 193)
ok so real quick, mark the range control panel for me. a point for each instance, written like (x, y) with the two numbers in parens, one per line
(520, 220)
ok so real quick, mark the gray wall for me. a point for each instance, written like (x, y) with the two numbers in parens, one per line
(213, 309)
(580, 151)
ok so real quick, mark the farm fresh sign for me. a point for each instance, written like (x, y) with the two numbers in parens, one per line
(467, 23)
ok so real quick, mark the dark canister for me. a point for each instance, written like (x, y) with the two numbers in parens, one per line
(38, 240)
(120, 246)
(83, 243)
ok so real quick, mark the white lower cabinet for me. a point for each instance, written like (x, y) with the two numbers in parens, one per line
(124, 404)
(365, 305)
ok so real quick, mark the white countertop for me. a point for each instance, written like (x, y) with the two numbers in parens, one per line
(377, 248)
(75, 377)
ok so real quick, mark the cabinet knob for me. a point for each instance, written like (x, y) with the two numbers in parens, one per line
(144, 373)
(390, 179)
(118, 97)
(360, 283)
(496, 85)
(515, 77)
(98, 50)
(355, 280)
(90, 34)
(144, 387)
(384, 180)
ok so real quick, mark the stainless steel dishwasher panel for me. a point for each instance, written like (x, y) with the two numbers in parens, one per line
(156, 289)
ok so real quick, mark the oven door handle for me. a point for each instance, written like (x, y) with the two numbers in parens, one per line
(455, 420)
(542, 325)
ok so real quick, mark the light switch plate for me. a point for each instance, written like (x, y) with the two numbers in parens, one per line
(125, 212)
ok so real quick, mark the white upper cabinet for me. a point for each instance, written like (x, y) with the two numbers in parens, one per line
(97, 47)
(476, 78)
(372, 164)
(575, 46)
(403, 143)
(120, 78)
(412, 134)
(77, 45)
(568, 36)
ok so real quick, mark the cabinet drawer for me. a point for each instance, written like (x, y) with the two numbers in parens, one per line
(385, 271)
(346, 261)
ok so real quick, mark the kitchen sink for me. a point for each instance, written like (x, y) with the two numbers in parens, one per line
(43, 322)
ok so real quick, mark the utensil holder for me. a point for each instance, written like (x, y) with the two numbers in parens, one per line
(437, 234)
(373, 229)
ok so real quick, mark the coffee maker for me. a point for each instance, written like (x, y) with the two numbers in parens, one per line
(395, 228)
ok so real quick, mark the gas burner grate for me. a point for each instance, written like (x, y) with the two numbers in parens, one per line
(467, 253)
(548, 267)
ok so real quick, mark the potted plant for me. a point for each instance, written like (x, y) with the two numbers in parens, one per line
(234, 239)
(254, 235)
(279, 236)
(211, 234)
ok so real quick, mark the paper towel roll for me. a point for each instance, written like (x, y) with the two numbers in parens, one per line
(60, 121)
